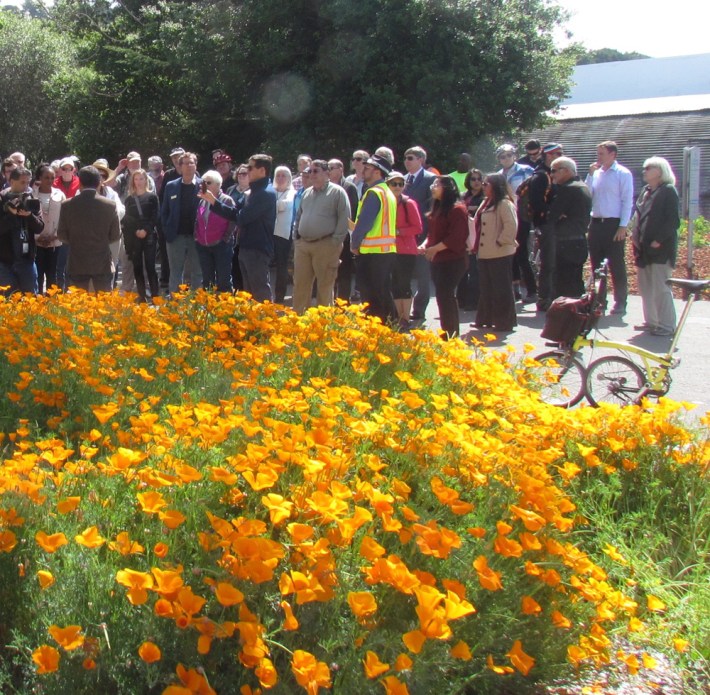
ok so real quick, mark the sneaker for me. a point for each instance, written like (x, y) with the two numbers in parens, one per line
(618, 310)
(530, 299)
(517, 295)
(644, 327)
(659, 331)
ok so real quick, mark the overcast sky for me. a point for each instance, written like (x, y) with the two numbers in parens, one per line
(654, 28)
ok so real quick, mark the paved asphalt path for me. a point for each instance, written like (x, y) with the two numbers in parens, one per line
(691, 379)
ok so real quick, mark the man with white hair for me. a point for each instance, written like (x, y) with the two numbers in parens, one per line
(569, 217)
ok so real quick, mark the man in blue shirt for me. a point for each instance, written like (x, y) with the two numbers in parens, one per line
(612, 188)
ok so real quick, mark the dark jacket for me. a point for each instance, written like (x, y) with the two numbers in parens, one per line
(420, 191)
(16, 231)
(660, 224)
(542, 193)
(570, 210)
(255, 216)
(170, 208)
(134, 220)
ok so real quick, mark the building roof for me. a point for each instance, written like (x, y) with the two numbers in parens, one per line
(646, 78)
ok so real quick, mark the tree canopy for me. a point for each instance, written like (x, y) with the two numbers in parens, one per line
(322, 76)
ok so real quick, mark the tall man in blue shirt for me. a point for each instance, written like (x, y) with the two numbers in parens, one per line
(612, 188)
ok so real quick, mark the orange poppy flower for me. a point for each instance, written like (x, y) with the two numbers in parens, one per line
(46, 658)
(149, 652)
(124, 545)
(161, 549)
(68, 504)
(373, 666)
(228, 595)
(403, 663)
(45, 578)
(461, 651)
(51, 543)
(394, 686)
(90, 538)
(137, 584)
(8, 541)
(488, 578)
(522, 661)
(362, 603)
(310, 673)
(69, 637)
(530, 606)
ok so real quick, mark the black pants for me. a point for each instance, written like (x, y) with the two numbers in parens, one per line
(545, 285)
(468, 291)
(522, 270)
(374, 280)
(402, 276)
(570, 257)
(446, 276)
(142, 253)
(46, 262)
(601, 246)
(496, 307)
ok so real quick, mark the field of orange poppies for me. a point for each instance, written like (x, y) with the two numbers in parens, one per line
(220, 496)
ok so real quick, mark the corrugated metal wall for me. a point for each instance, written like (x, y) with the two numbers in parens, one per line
(638, 137)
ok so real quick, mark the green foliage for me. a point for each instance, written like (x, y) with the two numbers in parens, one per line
(38, 79)
(606, 55)
(701, 231)
(323, 77)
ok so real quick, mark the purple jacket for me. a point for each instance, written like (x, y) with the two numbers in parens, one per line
(211, 229)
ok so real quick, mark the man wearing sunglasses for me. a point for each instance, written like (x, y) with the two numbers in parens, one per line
(417, 185)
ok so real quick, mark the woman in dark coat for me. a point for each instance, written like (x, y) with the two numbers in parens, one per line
(655, 240)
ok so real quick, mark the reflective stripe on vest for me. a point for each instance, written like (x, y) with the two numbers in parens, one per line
(382, 237)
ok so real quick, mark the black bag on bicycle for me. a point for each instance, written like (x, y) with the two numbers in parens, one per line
(566, 319)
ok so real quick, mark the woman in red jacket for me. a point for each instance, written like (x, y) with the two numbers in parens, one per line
(409, 225)
(445, 247)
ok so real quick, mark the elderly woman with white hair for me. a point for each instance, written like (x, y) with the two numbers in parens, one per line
(285, 194)
(214, 237)
(655, 242)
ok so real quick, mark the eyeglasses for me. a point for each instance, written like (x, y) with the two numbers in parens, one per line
(505, 155)
(316, 170)
(67, 169)
(410, 157)
(396, 184)
(242, 173)
(554, 171)
(475, 178)
(209, 182)
(357, 159)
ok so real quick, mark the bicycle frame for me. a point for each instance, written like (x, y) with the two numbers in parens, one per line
(656, 366)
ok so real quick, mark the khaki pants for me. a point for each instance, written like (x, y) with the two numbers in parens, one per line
(314, 260)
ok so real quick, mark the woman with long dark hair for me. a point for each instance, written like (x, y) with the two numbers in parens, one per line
(496, 226)
(467, 291)
(445, 247)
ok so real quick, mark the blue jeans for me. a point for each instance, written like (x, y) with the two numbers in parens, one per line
(182, 254)
(216, 265)
(19, 276)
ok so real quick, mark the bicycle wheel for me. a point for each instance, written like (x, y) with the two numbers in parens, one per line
(561, 377)
(615, 380)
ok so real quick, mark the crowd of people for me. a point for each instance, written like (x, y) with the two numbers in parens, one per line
(377, 235)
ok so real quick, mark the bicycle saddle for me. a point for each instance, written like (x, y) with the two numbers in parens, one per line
(692, 285)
